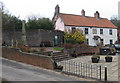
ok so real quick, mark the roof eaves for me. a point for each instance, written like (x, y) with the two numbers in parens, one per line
(91, 26)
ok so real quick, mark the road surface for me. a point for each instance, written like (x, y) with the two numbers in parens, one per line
(16, 71)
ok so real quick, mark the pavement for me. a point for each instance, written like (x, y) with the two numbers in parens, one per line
(16, 71)
(112, 67)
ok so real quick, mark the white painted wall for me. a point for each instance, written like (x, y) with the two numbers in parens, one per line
(59, 25)
(105, 36)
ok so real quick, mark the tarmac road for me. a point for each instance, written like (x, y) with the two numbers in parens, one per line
(16, 71)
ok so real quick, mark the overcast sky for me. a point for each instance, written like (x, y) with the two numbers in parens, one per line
(46, 8)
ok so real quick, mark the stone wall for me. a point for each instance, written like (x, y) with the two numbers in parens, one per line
(33, 59)
(34, 36)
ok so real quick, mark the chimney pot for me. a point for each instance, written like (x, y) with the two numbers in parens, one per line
(83, 13)
(57, 9)
(97, 15)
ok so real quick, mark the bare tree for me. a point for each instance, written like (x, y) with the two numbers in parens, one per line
(2, 6)
(115, 21)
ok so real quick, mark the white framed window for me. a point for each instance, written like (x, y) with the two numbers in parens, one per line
(101, 31)
(94, 31)
(110, 32)
(111, 41)
(86, 30)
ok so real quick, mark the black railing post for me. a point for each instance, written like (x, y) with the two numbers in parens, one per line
(100, 72)
(86, 70)
(105, 73)
(81, 68)
(69, 66)
(66, 66)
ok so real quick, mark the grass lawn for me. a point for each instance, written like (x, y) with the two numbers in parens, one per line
(58, 48)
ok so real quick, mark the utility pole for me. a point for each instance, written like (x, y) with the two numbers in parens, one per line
(119, 10)
(119, 42)
(24, 42)
(0, 26)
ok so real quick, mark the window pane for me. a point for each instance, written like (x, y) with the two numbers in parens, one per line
(110, 32)
(94, 31)
(101, 31)
(86, 30)
(111, 41)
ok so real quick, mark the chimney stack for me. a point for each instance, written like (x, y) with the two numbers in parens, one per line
(97, 15)
(83, 13)
(57, 9)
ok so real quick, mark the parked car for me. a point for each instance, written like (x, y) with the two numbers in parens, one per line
(109, 50)
(117, 48)
(112, 50)
(105, 51)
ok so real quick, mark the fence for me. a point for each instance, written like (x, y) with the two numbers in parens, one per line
(82, 69)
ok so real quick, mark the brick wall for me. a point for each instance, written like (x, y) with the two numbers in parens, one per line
(33, 59)
(85, 50)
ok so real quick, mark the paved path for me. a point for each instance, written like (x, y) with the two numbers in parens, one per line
(111, 66)
(15, 71)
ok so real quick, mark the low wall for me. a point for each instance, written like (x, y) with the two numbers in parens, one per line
(33, 59)
(85, 50)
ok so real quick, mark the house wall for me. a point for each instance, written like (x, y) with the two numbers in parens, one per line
(59, 25)
(105, 36)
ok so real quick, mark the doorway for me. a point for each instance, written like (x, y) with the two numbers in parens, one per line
(56, 40)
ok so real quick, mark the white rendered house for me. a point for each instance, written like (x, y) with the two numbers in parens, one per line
(97, 29)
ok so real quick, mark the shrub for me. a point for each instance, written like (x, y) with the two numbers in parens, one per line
(96, 56)
(75, 37)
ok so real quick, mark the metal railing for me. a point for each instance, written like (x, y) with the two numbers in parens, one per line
(81, 69)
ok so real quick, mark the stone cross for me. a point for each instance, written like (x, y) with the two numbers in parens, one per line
(24, 42)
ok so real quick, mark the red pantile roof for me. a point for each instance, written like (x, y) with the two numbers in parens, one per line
(77, 20)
